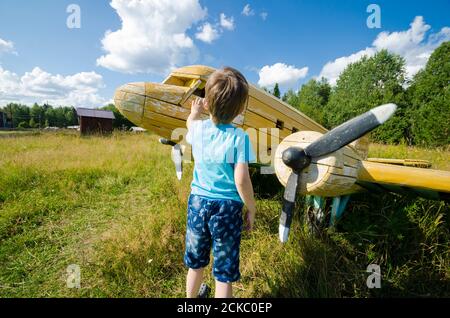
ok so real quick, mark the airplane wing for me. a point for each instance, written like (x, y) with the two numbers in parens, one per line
(407, 179)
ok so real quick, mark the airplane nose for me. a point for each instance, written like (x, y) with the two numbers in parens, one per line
(129, 99)
(153, 106)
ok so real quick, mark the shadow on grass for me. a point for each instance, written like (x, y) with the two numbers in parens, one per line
(408, 237)
(266, 186)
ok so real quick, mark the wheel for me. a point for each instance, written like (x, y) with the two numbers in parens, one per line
(315, 216)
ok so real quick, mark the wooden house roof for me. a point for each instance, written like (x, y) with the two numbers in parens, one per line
(88, 112)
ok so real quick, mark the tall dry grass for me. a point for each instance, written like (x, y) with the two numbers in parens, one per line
(113, 206)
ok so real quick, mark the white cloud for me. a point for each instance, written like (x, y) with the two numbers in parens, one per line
(6, 46)
(226, 23)
(412, 44)
(264, 15)
(247, 11)
(80, 89)
(332, 70)
(153, 36)
(208, 33)
(286, 76)
(401, 41)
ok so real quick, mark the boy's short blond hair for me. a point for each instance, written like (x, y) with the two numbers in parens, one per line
(226, 94)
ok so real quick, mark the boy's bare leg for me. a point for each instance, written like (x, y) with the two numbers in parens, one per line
(193, 281)
(224, 290)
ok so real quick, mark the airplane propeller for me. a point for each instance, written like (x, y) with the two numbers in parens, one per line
(298, 159)
(177, 155)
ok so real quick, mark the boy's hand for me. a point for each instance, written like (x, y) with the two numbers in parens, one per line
(250, 218)
(197, 106)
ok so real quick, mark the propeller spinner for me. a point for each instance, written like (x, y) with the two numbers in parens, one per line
(298, 159)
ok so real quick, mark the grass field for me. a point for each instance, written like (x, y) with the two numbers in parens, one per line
(113, 206)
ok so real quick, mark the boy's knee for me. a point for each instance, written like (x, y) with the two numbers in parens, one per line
(197, 270)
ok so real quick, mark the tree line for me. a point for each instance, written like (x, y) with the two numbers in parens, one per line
(42, 116)
(423, 115)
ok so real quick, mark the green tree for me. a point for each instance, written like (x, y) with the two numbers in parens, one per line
(17, 113)
(71, 117)
(50, 117)
(37, 115)
(32, 123)
(313, 96)
(365, 84)
(291, 97)
(60, 116)
(310, 99)
(276, 91)
(430, 98)
(22, 125)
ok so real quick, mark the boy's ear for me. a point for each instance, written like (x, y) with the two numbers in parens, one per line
(205, 104)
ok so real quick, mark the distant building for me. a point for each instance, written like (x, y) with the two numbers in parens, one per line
(2, 120)
(93, 121)
(5, 121)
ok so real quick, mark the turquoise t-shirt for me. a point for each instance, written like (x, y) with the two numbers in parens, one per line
(216, 148)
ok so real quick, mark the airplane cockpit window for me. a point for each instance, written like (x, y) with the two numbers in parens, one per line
(193, 85)
(200, 92)
(196, 87)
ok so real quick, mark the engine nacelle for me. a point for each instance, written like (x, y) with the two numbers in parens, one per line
(328, 176)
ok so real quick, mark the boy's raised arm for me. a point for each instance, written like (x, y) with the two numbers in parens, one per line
(197, 108)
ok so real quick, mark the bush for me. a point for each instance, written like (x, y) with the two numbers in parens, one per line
(23, 124)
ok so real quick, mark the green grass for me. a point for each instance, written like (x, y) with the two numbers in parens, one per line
(113, 206)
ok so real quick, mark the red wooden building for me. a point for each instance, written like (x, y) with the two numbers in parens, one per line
(93, 121)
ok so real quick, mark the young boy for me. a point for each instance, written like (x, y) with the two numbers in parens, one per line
(221, 183)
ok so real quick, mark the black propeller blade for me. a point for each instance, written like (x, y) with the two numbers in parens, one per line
(351, 130)
(288, 206)
(298, 159)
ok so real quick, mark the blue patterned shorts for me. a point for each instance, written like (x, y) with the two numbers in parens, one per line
(216, 223)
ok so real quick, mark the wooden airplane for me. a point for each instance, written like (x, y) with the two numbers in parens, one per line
(307, 158)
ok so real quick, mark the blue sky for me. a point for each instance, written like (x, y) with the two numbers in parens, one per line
(42, 59)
